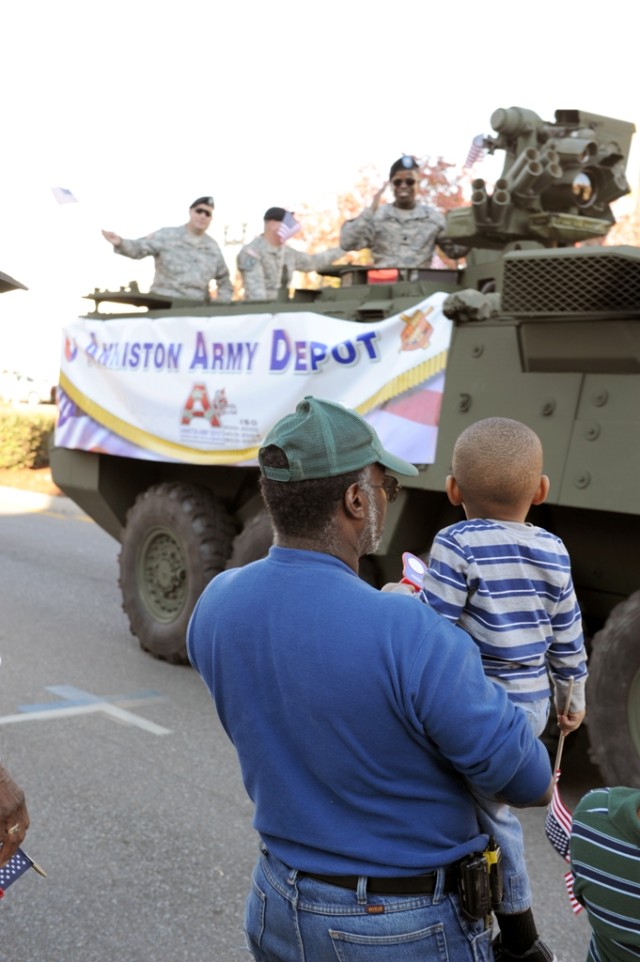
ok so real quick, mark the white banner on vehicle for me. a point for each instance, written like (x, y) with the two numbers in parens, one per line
(206, 390)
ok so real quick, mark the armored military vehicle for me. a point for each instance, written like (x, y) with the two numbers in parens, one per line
(533, 327)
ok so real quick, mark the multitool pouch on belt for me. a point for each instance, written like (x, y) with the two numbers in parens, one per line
(480, 882)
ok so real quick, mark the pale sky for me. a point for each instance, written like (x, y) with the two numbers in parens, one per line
(139, 107)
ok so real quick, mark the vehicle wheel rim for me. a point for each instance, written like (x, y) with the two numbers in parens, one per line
(162, 575)
(634, 711)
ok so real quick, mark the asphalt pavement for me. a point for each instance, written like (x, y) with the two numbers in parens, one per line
(19, 501)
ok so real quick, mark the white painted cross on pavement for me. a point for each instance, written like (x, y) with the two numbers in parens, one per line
(78, 702)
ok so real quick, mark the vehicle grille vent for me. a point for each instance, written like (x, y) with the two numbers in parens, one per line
(561, 285)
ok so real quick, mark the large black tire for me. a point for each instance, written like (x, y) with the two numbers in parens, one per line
(253, 542)
(176, 538)
(613, 695)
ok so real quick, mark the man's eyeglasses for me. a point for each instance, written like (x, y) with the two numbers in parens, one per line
(391, 486)
(201, 210)
(409, 181)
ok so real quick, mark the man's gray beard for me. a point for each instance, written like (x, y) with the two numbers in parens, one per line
(372, 534)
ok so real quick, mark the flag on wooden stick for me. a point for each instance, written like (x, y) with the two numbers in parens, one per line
(476, 151)
(289, 226)
(557, 823)
(63, 195)
(17, 865)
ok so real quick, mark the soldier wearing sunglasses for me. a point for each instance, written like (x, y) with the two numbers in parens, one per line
(186, 258)
(404, 233)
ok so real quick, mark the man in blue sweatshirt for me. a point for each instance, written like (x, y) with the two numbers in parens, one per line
(358, 718)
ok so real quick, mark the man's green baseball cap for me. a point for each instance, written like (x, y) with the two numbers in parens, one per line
(323, 439)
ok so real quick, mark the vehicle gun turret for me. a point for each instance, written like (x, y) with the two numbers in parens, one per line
(557, 184)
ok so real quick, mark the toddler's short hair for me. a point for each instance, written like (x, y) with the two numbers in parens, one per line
(497, 461)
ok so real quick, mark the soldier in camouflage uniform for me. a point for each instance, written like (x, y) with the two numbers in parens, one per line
(186, 258)
(266, 264)
(402, 234)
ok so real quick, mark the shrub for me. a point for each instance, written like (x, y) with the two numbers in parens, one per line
(25, 437)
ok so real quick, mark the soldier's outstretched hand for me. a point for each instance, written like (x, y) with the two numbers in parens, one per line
(114, 239)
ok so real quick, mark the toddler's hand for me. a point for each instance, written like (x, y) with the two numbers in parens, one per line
(571, 721)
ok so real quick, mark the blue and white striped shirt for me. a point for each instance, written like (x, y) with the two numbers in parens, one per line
(509, 586)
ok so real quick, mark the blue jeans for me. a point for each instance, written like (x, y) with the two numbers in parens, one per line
(498, 820)
(292, 918)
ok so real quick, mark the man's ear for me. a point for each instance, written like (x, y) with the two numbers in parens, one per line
(354, 501)
(542, 490)
(454, 493)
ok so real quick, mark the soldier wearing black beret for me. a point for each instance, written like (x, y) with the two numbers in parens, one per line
(404, 233)
(267, 264)
(186, 258)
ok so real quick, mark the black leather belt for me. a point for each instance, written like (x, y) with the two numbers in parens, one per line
(414, 885)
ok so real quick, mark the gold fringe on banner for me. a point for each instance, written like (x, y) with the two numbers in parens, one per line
(404, 382)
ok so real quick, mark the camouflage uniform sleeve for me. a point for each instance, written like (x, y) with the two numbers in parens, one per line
(357, 233)
(253, 279)
(142, 247)
(299, 261)
(223, 282)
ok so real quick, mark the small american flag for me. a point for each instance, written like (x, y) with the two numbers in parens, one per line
(575, 905)
(63, 195)
(557, 824)
(288, 227)
(15, 867)
(476, 151)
